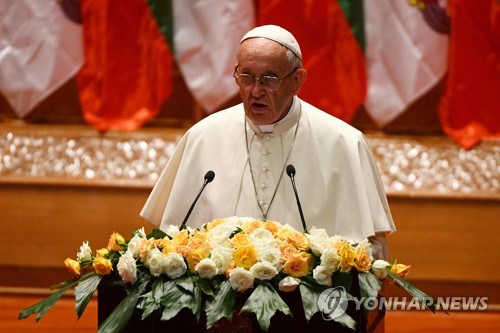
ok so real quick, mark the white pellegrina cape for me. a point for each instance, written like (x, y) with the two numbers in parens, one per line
(336, 176)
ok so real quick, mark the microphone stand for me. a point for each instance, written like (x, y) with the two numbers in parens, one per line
(290, 171)
(209, 176)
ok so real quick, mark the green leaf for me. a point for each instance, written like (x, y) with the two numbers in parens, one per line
(369, 286)
(120, 316)
(157, 234)
(185, 282)
(84, 291)
(222, 304)
(47, 303)
(205, 287)
(346, 321)
(421, 296)
(151, 301)
(176, 298)
(309, 296)
(264, 302)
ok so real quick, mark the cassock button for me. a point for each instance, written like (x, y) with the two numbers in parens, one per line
(263, 186)
(264, 169)
(265, 152)
(268, 137)
(262, 203)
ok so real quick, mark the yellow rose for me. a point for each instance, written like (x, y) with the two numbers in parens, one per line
(194, 257)
(401, 270)
(229, 268)
(181, 238)
(73, 267)
(240, 239)
(362, 262)
(347, 257)
(102, 252)
(116, 242)
(167, 245)
(102, 266)
(298, 265)
(250, 226)
(213, 224)
(245, 256)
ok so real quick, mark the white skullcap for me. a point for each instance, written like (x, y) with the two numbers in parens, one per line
(277, 34)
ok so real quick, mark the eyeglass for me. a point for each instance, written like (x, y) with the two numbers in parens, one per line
(269, 83)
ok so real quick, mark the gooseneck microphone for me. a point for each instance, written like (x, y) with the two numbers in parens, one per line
(290, 171)
(209, 176)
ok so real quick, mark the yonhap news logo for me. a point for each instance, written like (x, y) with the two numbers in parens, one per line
(333, 303)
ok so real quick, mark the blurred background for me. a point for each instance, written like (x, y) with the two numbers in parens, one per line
(94, 96)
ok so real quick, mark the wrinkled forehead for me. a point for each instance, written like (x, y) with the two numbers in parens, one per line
(263, 52)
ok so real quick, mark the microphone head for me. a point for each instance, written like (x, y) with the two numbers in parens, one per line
(209, 176)
(290, 170)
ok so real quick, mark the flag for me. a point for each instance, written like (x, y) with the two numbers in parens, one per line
(406, 51)
(40, 50)
(332, 56)
(206, 36)
(470, 107)
(127, 75)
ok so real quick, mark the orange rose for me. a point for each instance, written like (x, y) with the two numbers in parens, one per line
(271, 226)
(362, 262)
(198, 239)
(240, 239)
(298, 265)
(347, 257)
(194, 257)
(245, 256)
(73, 267)
(287, 251)
(102, 252)
(146, 246)
(250, 226)
(293, 237)
(181, 238)
(229, 268)
(116, 242)
(400, 270)
(102, 266)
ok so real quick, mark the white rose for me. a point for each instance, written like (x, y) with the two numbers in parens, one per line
(289, 284)
(241, 279)
(172, 230)
(142, 233)
(127, 268)
(318, 241)
(263, 271)
(323, 276)
(85, 253)
(330, 259)
(175, 266)
(155, 261)
(219, 235)
(270, 255)
(134, 245)
(206, 268)
(379, 267)
(221, 256)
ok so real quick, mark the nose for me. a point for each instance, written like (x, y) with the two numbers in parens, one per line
(257, 87)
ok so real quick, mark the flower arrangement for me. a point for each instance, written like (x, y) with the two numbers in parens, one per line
(209, 267)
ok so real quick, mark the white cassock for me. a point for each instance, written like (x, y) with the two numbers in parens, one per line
(336, 175)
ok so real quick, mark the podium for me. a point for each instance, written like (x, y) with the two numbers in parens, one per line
(110, 296)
